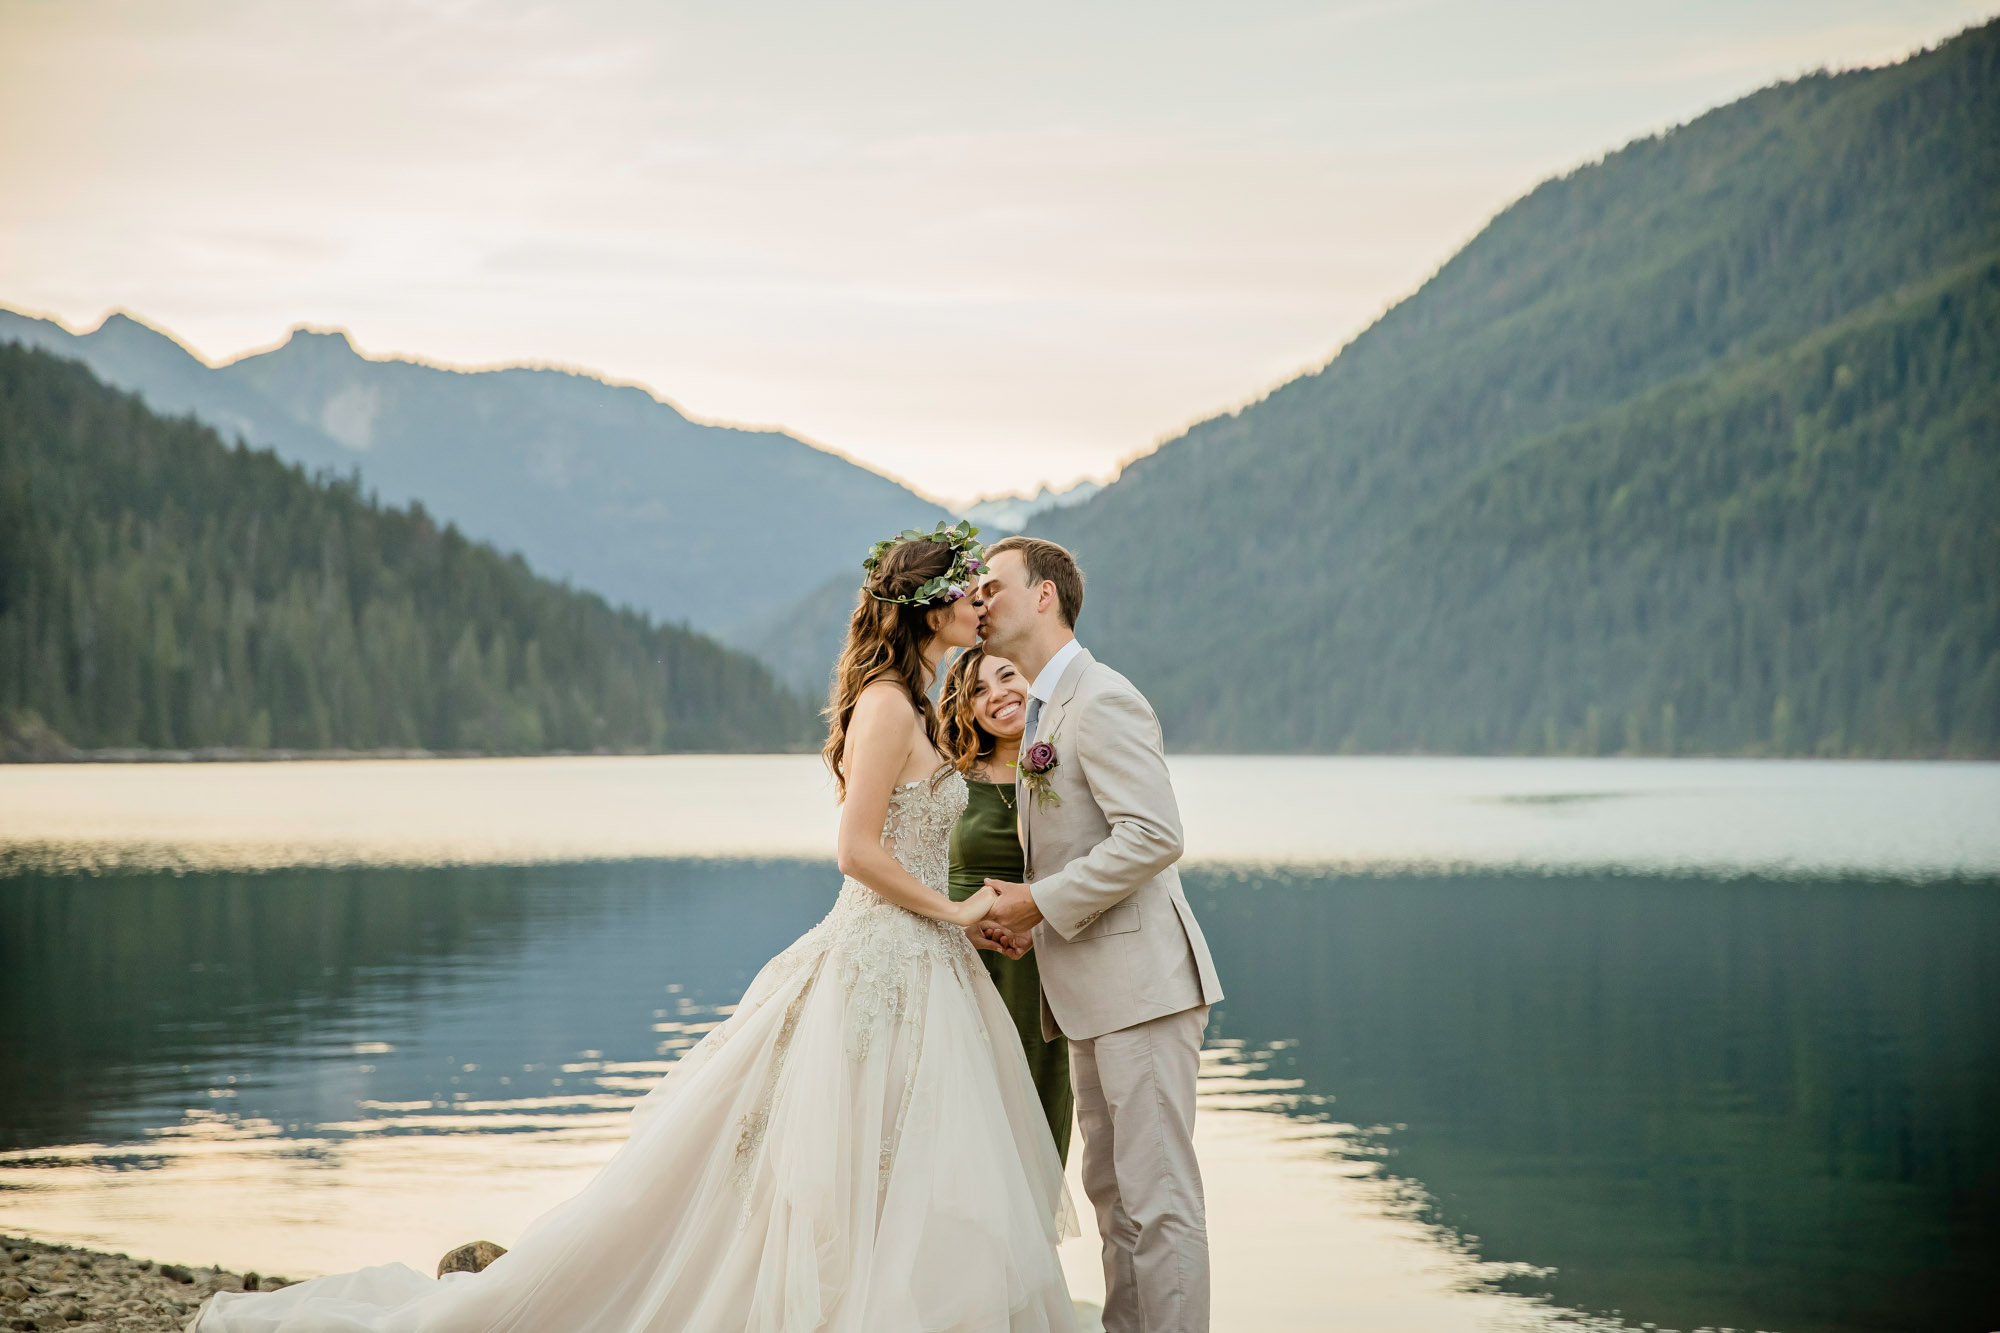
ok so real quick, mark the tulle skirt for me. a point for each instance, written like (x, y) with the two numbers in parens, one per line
(858, 1147)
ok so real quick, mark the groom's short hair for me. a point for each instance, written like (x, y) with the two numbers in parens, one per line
(1048, 563)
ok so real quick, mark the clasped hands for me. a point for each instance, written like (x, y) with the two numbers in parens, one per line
(1008, 916)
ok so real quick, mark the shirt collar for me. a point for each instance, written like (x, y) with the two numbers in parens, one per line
(1045, 684)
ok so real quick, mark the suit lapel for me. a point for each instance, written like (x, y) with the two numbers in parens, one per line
(1021, 829)
(1046, 726)
(1021, 814)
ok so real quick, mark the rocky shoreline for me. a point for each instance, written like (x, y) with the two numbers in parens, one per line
(45, 1287)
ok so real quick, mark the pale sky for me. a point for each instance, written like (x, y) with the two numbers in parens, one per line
(974, 246)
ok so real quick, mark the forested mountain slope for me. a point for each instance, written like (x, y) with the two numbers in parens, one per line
(600, 484)
(1692, 450)
(801, 642)
(160, 589)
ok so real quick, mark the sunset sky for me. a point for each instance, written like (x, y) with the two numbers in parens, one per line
(974, 246)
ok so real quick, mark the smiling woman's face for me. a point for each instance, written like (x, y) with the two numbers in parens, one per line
(1000, 699)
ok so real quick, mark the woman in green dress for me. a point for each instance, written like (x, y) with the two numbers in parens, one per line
(985, 710)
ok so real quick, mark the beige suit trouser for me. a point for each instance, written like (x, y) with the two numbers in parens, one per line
(1135, 1105)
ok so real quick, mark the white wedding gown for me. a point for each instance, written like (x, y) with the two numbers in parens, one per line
(858, 1147)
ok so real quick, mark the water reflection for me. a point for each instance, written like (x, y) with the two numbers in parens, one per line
(1752, 1104)
(293, 996)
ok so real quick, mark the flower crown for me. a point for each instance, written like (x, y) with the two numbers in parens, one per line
(968, 559)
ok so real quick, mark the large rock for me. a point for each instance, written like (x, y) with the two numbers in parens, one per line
(470, 1258)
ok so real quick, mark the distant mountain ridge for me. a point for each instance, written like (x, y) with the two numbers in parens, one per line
(600, 484)
(1694, 449)
(159, 590)
(800, 639)
(996, 515)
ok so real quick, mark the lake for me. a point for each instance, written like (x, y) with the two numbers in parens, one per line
(1508, 1044)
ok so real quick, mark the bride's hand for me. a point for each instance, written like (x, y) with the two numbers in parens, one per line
(973, 910)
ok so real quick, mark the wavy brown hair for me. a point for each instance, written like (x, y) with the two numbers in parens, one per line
(960, 736)
(885, 641)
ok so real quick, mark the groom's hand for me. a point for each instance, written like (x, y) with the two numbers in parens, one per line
(992, 938)
(1014, 910)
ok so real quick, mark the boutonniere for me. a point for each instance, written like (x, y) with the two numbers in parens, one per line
(1036, 763)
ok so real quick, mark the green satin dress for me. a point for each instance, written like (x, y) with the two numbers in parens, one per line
(986, 845)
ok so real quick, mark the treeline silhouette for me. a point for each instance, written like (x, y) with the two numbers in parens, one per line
(1693, 450)
(161, 589)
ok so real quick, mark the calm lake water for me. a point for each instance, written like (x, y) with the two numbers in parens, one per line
(1508, 1044)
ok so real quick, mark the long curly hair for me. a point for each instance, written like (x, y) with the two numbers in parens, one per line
(885, 641)
(961, 738)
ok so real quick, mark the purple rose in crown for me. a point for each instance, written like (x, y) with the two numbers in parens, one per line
(1037, 762)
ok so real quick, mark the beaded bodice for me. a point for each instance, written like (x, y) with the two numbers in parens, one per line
(917, 829)
(917, 832)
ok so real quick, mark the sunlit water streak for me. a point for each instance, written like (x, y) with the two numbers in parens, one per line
(1710, 816)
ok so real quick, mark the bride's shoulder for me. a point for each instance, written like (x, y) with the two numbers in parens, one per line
(884, 696)
(883, 709)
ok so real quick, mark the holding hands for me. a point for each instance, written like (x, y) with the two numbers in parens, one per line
(975, 915)
(999, 918)
(1005, 918)
(994, 939)
(1013, 907)
(970, 912)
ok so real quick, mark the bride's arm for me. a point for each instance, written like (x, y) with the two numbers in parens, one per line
(880, 736)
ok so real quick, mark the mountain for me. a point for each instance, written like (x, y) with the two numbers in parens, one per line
(998, 514)
(1694, 449)
(599, 484)
(801, 639)
(160, 589)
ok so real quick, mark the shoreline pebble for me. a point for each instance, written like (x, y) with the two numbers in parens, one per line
(45, 1286)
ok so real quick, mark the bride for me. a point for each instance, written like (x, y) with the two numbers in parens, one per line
(858, 1147)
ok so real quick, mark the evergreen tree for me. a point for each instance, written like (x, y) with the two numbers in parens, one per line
(161, 589)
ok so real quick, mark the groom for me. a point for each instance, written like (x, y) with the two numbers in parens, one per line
(1125, 972)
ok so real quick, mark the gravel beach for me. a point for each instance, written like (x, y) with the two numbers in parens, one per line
(83, 1291)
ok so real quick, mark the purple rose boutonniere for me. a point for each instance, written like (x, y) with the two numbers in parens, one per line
(1036, 763)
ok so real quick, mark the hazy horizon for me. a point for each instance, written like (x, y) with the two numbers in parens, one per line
(975, 256)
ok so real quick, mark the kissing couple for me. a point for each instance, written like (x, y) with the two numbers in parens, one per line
(862, 1145)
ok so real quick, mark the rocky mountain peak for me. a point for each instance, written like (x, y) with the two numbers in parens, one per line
(306, 340)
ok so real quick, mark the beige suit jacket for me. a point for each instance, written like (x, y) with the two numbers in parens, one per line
(1118, 942)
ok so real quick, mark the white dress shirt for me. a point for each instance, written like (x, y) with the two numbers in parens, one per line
(1044, 686)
